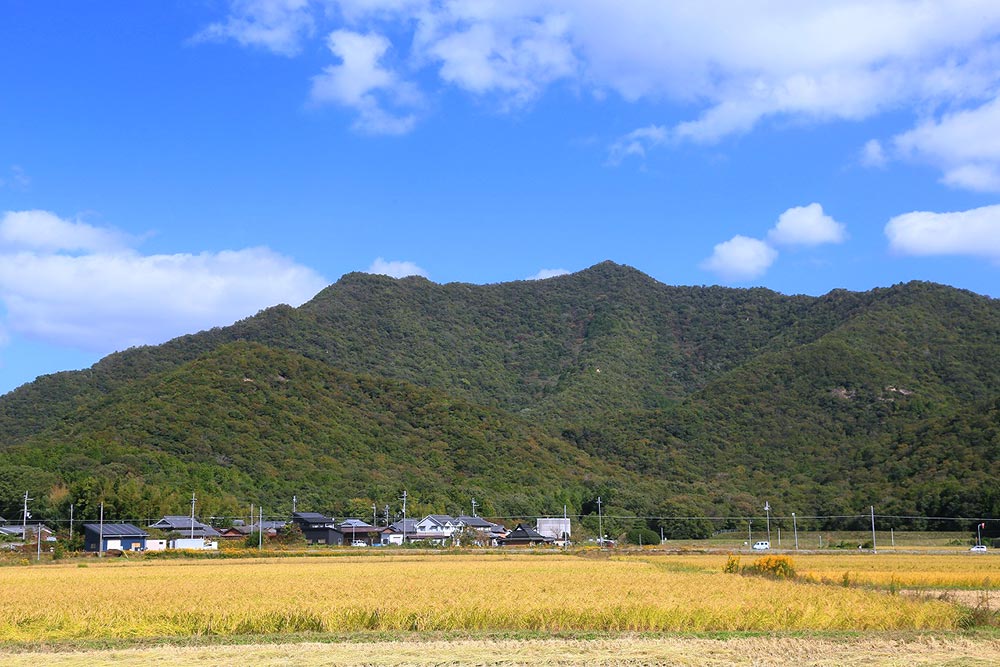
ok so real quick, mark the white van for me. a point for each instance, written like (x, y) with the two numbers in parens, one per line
(761, 546)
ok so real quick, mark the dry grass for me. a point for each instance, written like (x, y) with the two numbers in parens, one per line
(624, 650)
(426, 593)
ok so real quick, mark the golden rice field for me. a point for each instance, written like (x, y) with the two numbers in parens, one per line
(466, 593)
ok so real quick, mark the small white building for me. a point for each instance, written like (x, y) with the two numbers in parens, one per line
(558, 528)
(194, 543)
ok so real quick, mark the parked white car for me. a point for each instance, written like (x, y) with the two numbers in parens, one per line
(763, 545)
(359, 543)
(979, 549)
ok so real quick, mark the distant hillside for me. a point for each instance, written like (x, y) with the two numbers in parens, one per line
(535, 394)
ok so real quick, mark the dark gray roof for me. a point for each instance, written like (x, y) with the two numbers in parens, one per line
(314, 518)
(116, 530)
(475, 522)
(523, 532)
(355, 523)
(182, 524)
(440, 519)
(411, 526)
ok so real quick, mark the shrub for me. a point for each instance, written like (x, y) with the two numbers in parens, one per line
(778, 567)
(732, 565)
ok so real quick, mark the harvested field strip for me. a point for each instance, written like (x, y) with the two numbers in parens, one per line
(625, 651)
(946, 571)
(424, 593)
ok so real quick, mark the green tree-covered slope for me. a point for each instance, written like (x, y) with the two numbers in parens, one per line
(667, 400)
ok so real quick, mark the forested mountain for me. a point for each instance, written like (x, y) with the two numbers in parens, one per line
(532, 395)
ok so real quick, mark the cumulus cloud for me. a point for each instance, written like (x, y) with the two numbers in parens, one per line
(731, 65)
(395, 269)
(548, 273)
(362, 83)
(91, 292)
(806, 226)
(740, 258)
(974, 233)
(45, 231)
(278, 26)
(965, 144)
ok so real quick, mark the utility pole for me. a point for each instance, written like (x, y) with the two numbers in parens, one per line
(260, 529)
(474, 503)
(25, 514)
(767, 510)
(192, 516)
(71, 522)
(295, 500)
(386, 510)
(374, 515)
(600, 524)
(100, 533)
(404, 518)
(795, 529)
(874, 550)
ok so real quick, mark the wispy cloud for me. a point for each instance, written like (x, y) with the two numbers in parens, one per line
(362, 83)
(732, 66)
(544, 274)
(279, 26)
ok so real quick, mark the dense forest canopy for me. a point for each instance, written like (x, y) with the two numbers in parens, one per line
(532, 396)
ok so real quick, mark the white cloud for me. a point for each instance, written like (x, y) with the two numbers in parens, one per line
(922, 233)
(544, 274)
(278, 26)
(806, 226)
(17, 180)
(965, 144)
(873, 154)
(362, 83)
(44, 231)
(395, 269)
(637, 142)
(731, 65)
(740, 258)
(110, 297)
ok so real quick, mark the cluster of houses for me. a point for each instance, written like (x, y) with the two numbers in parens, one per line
(186, 532)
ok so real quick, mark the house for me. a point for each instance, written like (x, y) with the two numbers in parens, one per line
(356, 532)
(393, 534)
(185, 526)
(437, 525)
(17, 531)
(121, 536)
(558, 528)
(318, 528)
(524, 536)
(488, 531)
(239, 529)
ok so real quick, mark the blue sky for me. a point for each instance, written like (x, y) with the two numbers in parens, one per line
(171, 166)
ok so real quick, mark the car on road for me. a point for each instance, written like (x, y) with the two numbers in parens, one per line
(763, 545)
(978, 549)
